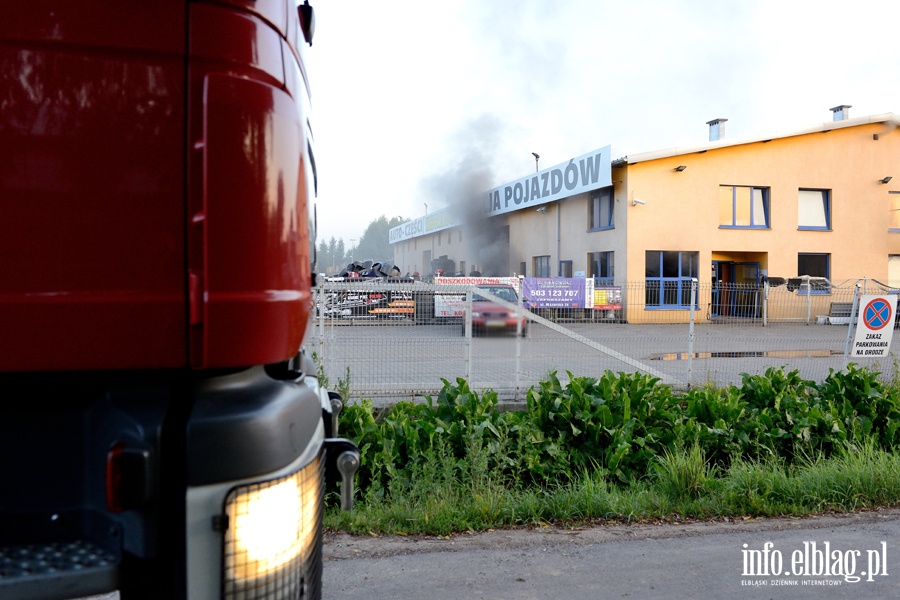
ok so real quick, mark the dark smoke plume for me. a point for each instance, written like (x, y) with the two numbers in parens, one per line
(464, 186)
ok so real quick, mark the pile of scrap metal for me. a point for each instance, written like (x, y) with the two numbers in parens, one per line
(367, 300)
(369, 268)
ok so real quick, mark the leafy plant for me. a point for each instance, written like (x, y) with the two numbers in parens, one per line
(717, 420)
(792, 417)
(865, 405)
(616, 424)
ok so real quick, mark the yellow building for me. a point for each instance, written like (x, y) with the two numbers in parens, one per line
(822, 201)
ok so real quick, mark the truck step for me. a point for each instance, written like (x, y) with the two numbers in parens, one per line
(56, 570)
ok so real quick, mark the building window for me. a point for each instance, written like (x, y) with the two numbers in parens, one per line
(462, 267)
(565, 268)
(816, 266)
(522, 266)
(894, 208)
(600, 267)
(814, 210)
(541, 266)
(743, 207)
(438, 236)
(669, 278)
(894, 270)
(601, 210)
(460, 236)
(449, 237)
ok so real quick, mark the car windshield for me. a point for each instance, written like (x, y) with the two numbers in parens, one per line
(504, 293)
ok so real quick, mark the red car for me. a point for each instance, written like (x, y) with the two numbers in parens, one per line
(488, 315)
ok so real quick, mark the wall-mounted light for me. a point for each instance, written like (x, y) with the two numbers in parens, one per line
(886, 179)
(541, 209)
(635, 202)
(680, 168)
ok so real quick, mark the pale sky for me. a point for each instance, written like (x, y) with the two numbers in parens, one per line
(419, 102)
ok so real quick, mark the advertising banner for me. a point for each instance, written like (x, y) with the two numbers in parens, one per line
(453, 304)
(542, 292)
(608, 298)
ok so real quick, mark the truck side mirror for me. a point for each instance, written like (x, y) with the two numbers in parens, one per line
(307, 21)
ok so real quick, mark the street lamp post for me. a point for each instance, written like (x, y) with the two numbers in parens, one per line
(537, 157)
(425, 228)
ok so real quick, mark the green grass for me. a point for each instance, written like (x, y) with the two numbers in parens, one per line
(684, 488)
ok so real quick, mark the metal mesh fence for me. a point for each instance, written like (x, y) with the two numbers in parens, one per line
(399, 340)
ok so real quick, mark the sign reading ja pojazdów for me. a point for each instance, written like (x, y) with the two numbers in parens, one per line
(875, 326)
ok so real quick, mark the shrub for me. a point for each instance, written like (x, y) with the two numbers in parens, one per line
(621, 427)
(616, 424)
(863, 405)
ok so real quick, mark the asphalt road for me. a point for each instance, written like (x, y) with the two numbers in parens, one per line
(696, 560)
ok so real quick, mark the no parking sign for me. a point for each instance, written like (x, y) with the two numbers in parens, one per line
(875, 326)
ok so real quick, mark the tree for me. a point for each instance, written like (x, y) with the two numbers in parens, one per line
(375, 242)
(333, 256)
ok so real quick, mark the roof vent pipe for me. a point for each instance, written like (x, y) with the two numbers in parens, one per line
(716, 129)
(841, 113)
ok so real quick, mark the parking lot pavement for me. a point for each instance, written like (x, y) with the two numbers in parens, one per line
(401, 359)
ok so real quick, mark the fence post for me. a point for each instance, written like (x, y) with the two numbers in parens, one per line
(320, 303)
(766, 302)
(519, 313)
(467, 323)
(850, 326)
(808, 298)
(691, 331)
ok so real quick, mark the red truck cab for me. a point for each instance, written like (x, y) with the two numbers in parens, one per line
(156, 184)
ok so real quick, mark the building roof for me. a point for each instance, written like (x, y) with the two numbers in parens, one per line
(890, 120)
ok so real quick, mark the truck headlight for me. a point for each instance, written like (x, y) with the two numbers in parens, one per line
(273, 529)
